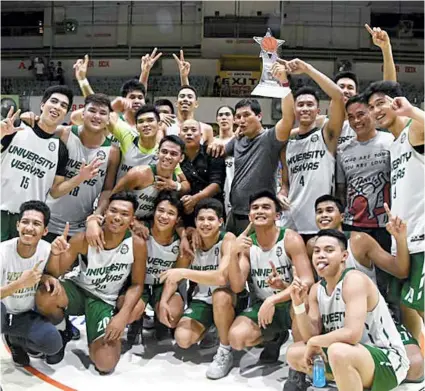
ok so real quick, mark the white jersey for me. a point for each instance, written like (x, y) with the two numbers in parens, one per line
(352, 263)
(230, 173)
(28, 168)
(103, 273)
(206, 261)
(160, 258)
(347, 133)
(379, 331)
(76, 206)
(260, 265)
(173, 130)
(311, 173)
(12, 266)
(407, 190)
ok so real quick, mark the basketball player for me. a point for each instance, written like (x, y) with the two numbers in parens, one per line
(93, 290)
(22, 263)
(309, 164)
(212, 302)
(33, 162)
(268, 250)
(364, 253)
(166, 111)
(348, 323)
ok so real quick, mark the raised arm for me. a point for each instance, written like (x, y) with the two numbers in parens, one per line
(239, 265)
(80, 68)
(147, 62)
(184, 68)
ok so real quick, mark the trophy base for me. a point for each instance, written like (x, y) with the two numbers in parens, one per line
(271, 91)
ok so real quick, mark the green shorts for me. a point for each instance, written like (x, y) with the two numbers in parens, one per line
(281, 319)
(97, 312)
(8, 225)
(412, 293)
(384, 378)
(406, 337)
(152, 294)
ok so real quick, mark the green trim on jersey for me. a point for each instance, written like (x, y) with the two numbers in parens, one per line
(154, 171)
(280, 237)
(324, 283)
(174, 237)
(75, 129)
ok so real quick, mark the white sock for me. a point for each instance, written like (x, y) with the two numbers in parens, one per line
(62, 325)
(227, 348)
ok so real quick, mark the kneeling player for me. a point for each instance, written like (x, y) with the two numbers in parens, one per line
(360, 340)
(93, 290)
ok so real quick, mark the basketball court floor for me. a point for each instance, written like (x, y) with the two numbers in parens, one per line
(157, 365)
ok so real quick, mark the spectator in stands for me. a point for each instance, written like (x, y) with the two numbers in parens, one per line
(225, 88)
(51, 71)
(39, 69)
(59, 73)
(217, 86)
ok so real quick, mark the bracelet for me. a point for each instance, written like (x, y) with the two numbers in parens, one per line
(83, 83)
(299, 309)
(178, 186)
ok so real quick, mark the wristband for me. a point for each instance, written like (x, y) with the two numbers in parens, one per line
(83, 83)
(178, 186)
(299, 309)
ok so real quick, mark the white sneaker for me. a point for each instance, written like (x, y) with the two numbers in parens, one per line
(221, 365)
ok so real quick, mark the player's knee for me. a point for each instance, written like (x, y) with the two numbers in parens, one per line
(138, 311)
(338, 354)
(105, 362)
(222, 300)
(416, 370)
(236, 338)
(183, 338)
(293, 356)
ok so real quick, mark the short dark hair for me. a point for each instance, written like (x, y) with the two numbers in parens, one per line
(173, 198)
(229, 107)
(173, 139)
(306, 90)
(147, 109)
(266, 194)
(355, 99)
(190, 88)
(249, 102)
(209, 203)
(335, 234)
(98, 100)
(132, 85)
(390, 88)
(64, 90)
(329, 198)
(164, 102)
(38, 206)
(125, 196)
(347, 75)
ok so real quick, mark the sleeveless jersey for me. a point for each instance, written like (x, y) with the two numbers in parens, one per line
(230, 173)
(207, 261)
(260, 266)
(174, 129)
(76, 206)
(347, 133)
(160, 258)
(104, 273)
(135, 157)
(311, 171)
(147, 196)
(407, 190)
(379, 331)
(352, 263)
(12, 266)
(28, 169)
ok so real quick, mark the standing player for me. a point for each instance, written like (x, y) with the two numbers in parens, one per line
(211, 303)
(348, 323)
(93, 290)
(22, 263)
(33, 162)
(269, 251)
(309, 163)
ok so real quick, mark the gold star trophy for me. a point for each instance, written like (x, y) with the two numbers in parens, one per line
(268, 85)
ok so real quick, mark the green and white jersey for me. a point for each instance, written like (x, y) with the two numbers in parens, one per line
(379, 328)
(12, 266)
(407, 190)
(103, 273)
(260, 265)
(28, 168)
(347, 133)
(352, 263)
(147, 196)
(76, 206)
(160, 258)
(207, 261)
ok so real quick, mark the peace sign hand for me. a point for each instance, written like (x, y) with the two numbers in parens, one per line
(7, 125)
(274, 279)
(395, 226)
(379, 37)
(184, 66)
(60, 244)
(81, 68)
(149, 60)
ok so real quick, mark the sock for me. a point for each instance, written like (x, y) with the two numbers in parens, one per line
(62, 325)
(227, 348)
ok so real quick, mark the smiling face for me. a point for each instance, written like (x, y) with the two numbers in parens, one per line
(328, 215)
(147, 125)
(190, 133)
(381, 111)
(186, 101)
(208, 223)
(262, 212)
(169, 155)
(225, 118)
(328, 256)
(137, 100)
(31, 228)
(119, 216)
(54, 110)
(95, 117)
(249, 123)
(306, 109)
(165, 216)
(348, 87)
(360, 119)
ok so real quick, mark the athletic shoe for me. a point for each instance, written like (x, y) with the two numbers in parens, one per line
(210, 338)
(296, 381)
(162, 332)
(221, 365)
(271, 351)
(66, 337)
(34, 354)
(134, 332)
(75, 333)
(19, 355)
